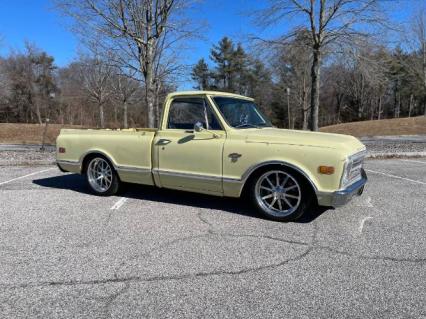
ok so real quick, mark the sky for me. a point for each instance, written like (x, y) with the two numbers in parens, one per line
(36, 21)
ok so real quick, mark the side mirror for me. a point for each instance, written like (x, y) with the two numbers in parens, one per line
(198, 127)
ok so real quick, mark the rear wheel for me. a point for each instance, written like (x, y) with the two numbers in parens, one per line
(101, 177)
(279, 195)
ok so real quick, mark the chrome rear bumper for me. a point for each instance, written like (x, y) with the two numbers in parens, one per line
(342, 197)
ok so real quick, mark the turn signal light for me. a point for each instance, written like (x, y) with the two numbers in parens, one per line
(61, 150)
(327, 170)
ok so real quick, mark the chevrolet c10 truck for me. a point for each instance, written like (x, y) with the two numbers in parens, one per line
(220, 144)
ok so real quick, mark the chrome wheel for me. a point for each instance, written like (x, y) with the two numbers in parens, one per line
(278, 193)
(99, 174)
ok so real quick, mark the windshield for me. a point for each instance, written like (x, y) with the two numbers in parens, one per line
(241, 113)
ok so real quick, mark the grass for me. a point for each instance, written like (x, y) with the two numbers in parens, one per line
(17, 133)
(401, 126)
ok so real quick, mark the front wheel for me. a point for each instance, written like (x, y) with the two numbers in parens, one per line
(101, 177)
(279, 195)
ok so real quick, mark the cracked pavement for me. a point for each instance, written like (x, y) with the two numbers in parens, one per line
(166, 254)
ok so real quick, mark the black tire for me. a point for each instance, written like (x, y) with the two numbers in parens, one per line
(111, 180)
(302, 191)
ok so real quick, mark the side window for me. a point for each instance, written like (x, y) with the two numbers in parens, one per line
(185, 112)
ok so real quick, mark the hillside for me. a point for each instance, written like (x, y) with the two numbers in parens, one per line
(401, 126)
(17, 133)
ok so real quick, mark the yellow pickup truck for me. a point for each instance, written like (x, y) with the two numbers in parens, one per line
(220, 144)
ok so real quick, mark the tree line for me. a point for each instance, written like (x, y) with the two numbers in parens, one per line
(87, 92)
(367, 83)
(327, 67)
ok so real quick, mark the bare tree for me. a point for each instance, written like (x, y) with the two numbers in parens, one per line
(291, 62)
(137, 32)
(95, 76)
(73, 97)
(124, 90)
(42, 83)
(419, 31)
(330, 22)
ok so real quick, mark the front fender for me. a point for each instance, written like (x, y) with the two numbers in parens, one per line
(304, 159)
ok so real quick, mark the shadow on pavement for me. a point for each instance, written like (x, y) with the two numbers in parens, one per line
(77, 183)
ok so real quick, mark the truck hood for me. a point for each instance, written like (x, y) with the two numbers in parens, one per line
(346, 143)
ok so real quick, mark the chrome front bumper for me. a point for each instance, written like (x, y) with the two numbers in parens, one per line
(342, 197)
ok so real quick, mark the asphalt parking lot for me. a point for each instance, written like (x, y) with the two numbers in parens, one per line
(158, 253)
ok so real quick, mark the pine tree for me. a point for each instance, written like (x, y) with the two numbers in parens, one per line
(240, 75)
(201, 75)
(222, 55)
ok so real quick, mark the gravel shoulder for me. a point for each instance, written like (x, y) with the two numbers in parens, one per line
(386, 146)
(26, 157)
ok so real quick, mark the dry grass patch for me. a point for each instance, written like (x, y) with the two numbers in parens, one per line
(17, 133)
(401, 126)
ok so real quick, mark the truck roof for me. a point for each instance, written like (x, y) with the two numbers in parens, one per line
(214, 93)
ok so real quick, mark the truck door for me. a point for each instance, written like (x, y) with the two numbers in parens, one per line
(190, 159)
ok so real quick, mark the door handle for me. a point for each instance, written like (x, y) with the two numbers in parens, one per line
(163, 141)
(234, 157)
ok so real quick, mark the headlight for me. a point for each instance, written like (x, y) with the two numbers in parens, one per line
(352, 169)
(346, 171)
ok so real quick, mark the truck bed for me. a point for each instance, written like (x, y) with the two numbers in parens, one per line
(132, 129)
(129, 150)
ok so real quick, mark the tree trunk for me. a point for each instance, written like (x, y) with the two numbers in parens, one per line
(305, 110)
(396, 101)
(157, 111)
(149, 99)
(424, 71)
(379, 111)
(149, 87)
(125, 123)
(315, 83)
(361, 99)
(101, 115)
(115, 115)
(157, 104)
(398, 108)
(305, 120)
(70, 115)
(410, 108)
(38, 113)
(339, 100)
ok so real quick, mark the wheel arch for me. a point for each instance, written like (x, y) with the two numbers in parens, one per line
(255, 169)
(86, 157)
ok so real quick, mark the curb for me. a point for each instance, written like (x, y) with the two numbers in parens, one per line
(26, 147)
(29, 164)
(395, 155)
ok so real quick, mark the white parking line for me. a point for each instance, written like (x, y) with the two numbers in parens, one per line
(119, 203)
(14, 179)
(361, 226)
(414, 161)
(394, 176)
(368, 202)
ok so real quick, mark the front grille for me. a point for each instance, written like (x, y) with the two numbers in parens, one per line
(356, 162)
